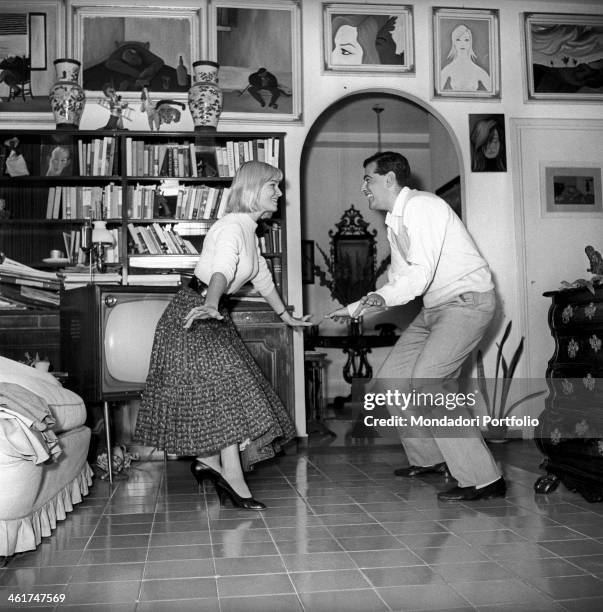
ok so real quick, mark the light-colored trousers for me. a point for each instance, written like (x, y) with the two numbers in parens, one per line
(433, 348)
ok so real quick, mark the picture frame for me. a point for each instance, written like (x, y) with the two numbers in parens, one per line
(30, 40)
(307, 262)
(487, 140)
(450, 192)
(466, 53)
(369, 38)
(57, 158)
(131, 44)
(570, 190)
(556, 68)
(258, 48)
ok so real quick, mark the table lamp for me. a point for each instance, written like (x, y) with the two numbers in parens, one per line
(101, 237)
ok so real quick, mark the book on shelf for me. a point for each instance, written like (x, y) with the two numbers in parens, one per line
(163, 262)
(154, 279)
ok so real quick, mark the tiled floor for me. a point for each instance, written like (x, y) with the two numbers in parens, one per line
(340, 533)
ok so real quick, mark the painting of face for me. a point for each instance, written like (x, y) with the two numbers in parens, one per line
(372, 38)
(347, 49)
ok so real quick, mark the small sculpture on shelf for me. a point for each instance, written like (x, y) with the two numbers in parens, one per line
(161, 112)
(118, 109)
(15, 162)
(596, 269)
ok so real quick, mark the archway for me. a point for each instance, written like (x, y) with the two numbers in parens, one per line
(340, 139)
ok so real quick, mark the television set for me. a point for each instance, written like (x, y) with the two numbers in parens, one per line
(107, 334)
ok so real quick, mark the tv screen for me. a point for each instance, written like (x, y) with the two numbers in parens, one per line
(129, 332)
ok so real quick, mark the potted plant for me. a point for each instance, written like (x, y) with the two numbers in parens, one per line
(496, 406)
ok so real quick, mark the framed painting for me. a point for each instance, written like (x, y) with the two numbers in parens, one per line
(31, 38)
(258, 49)
(466, 58)
(488, 143)
(564, 57)
(568, 191)
(127, 46)
(375, 38)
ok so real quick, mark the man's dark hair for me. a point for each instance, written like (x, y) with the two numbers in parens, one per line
(390, 161)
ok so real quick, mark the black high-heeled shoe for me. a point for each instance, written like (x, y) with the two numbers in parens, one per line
(203, 472)
(225, 491)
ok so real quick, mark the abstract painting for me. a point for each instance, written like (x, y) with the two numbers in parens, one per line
(564, 56)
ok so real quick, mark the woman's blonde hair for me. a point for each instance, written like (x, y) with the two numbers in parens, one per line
(247, 184)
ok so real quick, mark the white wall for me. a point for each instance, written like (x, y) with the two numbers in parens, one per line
(490, 206)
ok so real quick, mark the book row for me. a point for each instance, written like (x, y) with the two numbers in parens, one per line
(80, 202)
(156, 239)
(98, 156)
(270, 240)
(190, 160)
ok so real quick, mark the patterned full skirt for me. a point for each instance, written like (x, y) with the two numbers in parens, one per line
(204, 391)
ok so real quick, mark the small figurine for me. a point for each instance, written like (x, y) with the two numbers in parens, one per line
(118, 110)
(595, 259)
(160, 113)
(15, 162)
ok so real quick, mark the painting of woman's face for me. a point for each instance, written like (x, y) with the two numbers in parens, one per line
(462, 39)
(492, 146)
(347, 49)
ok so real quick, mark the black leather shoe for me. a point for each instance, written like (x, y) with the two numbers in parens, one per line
(416, 470)
(497, 489)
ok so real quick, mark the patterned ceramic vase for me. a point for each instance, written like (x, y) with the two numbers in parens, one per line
(205, 97)
(67, 98)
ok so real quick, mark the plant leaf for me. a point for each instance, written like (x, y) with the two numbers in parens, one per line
(481, 381)
(521, 401)
(509, 375)
(499, 358)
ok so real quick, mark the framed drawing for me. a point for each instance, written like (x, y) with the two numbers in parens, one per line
(466, 59)
(375, 38)
(564, 56)
(570, 190)
(31, 38)
(131, 45)
(450, 192)
(488, 143)
(259, 52)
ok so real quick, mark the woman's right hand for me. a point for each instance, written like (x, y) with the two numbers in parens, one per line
(205, 311)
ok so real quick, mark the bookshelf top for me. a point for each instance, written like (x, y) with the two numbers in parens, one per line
(146, 134)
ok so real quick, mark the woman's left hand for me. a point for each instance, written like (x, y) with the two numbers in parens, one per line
(202, 312)
(297, 322)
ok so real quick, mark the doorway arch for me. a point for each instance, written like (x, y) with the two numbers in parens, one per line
(330, 182)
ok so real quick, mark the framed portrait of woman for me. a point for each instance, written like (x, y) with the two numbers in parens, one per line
(466, 59)
(487, 139)
(375, 38)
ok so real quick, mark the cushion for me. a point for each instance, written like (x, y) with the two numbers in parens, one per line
(66, 406)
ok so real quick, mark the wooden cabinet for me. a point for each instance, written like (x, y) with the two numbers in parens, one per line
(570, 432)
(271, 344)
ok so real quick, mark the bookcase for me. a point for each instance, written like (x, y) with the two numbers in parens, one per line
(159, 193)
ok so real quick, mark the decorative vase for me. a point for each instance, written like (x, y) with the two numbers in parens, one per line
(67, 98)
(205, 97)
